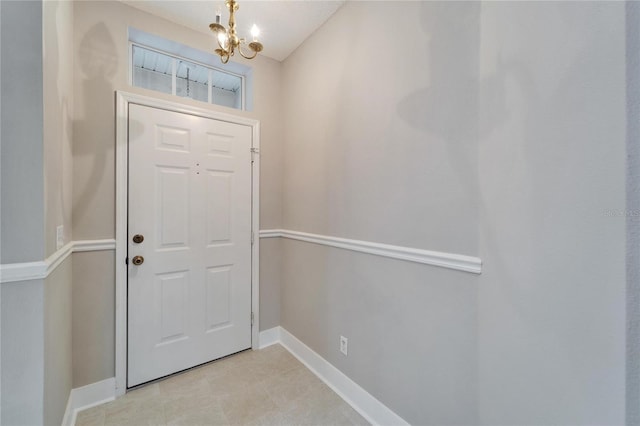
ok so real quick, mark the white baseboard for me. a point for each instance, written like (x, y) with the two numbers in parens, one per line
(269, 337)
(374, 411)
(69, 417)
(87, 397)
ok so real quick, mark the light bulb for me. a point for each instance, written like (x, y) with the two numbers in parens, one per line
(218, 15)
(255, 32)
(222, 39)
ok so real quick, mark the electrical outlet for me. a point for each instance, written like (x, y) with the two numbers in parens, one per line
(344, 345)
(59, 237)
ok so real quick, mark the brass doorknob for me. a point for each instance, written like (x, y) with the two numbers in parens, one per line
(138, 260)
(138, 238)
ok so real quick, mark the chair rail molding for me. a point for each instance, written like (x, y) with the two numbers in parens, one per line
(454, 261)
(26, 271)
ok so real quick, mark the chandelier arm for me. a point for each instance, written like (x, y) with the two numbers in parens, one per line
(242, 53)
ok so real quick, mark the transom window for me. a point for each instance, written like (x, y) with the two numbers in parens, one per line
(163, 72)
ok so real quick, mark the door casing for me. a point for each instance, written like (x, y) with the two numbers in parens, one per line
(123, 99)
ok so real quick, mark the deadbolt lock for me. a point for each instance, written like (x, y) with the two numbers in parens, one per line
(138, 260)
(138, 238)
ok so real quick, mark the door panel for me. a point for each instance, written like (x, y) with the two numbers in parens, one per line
(172, 184)
(218, 297)
(190, 196)
(218, 211)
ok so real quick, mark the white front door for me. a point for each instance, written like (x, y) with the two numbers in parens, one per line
(189, 300)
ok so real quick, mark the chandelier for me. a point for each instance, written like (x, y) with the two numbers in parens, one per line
(229, 41)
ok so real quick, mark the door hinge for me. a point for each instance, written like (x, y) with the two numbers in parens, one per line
(126, 260)
(251, 318)
(252, 237)
(254, 152)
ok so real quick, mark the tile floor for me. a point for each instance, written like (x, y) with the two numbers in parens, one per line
(266, 387)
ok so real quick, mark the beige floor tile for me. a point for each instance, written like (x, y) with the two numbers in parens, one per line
(142, 393)
(244, 358)
(315, 416)
(248, 405)
(266, 387)
(271, 418)
(275, 365)
(134, 412)
(321, 396)
(189, 384)
(215, 368)
(231, 382)
(241, 364)
(91, 416)
(287, 388)
(201, 410)
(276, 359)
(319, 406)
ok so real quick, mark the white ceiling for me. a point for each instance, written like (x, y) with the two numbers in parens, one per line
(284, 24)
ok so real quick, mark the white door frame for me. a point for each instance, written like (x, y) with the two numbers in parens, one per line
(123, 99)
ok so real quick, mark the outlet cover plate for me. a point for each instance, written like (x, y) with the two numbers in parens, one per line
(59, 237)
(344, 345)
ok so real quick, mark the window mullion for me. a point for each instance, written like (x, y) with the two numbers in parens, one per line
(210, 89)
(174, 71)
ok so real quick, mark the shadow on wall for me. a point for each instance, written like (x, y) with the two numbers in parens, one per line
(449, 104)
(94, 133)
(540, 93)
(449, 107)
(539, 90)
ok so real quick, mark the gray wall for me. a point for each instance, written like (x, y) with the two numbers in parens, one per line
(551, 325)
(411, 328)
(57, 343)
(372, 139)
(93, 318)
(382, 147)
(270, 289)
(22, 379)
(495, 130)
(21, 124)
(36, 195)
(633, 205)
(36, 349)
(101, 67)
(57, 100)
(57, 96)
